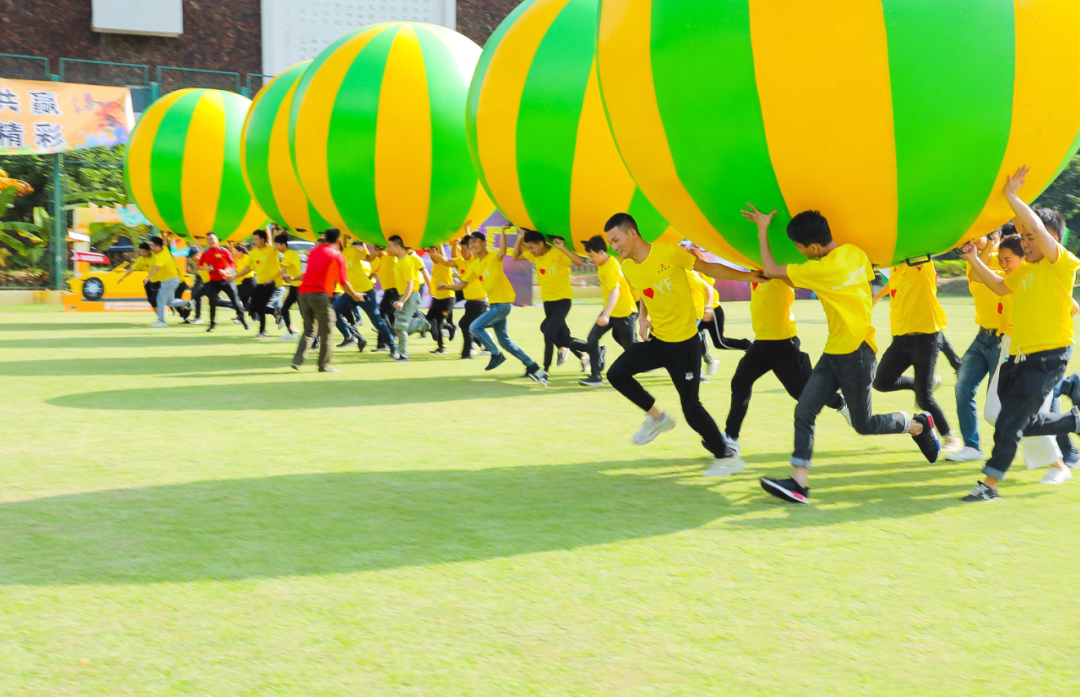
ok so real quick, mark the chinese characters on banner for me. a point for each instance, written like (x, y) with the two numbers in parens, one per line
(38, 118)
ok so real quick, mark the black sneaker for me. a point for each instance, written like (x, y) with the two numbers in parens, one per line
(496, 360)
(603, 358)
(981, 492)
(440, 351)
(362, 345)
(591, 382)
(402, 359)
(538, 376)
(348, 342)
(927, 440)
(786, 490)
(244, 324)
(211, 327)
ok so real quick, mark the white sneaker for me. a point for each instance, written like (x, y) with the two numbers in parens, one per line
(159, 324)
(712, 368)
(1057, 476)
(280, 323)
(262, 335)
(951, 443)
(586, 364)
(652, 428)
(937, 383)
(198, 320)
(564, 355)
(732, 444)
(726, 467)
(287, 337)
(845, 411)
(965, 454)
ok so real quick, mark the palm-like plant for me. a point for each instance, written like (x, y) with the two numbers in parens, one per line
(26, 240)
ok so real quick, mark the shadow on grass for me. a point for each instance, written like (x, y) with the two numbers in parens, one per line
(167, 337)
(339, 522)
(70, 326)
(320, 392)
(143, 365)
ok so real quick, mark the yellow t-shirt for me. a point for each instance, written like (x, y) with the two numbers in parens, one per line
(384, 270)
(665, 288)
(697, 291)
(475, 289)
(986, 300)
(167, 266)
(441, 275)
(489, 271)
(267, 264)
(408, 269)
(142, 263)
(243, 263)
(841, 279)
(772, 313)
(611, 277)
(711, 282)
(290, 263)
(914, 308)
(552, 273)
(1005, 315)
(357, 269)
(1042, 303)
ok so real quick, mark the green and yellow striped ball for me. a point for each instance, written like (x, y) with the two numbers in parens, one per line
(378, 134)
(182, 165)
(897, 119)
(268, 167)
(537, 131)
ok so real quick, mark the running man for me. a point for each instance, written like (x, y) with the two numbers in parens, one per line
(325, 270)
(618, 315)
(408, 273)
(219, 265)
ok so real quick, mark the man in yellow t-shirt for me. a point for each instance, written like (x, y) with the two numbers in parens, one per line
(441, 313)
(409, 272)
(143, 263)
(668, 325)
(553, 262)
(292, 276)
(476, 302)
(619, 313)
(359, 272)
(487, 267)
(981, 358)
(265, 265)
(1042, 338)
(382, 267)
(776, 349)
(713, 321)
(163, 271)
(840, 275)
(918, 322)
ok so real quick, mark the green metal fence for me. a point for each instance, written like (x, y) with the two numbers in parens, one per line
(15, 66)
(172, 79)
(104, 73)
(255, 82)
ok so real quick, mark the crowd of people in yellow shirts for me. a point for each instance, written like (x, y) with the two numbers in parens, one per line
(662, 308)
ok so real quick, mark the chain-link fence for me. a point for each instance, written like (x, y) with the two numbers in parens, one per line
(90, 72)
(172, 79)
(18, 67)
(255, 82)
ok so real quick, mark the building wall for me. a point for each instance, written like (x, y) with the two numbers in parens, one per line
(218, 34)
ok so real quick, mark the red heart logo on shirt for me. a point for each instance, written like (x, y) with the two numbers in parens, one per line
(648, 293)
(543, 271)
(753, 286)
(892, 293)
(1001, 308)
(479, 278)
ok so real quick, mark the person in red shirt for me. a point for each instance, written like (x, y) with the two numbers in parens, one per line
(219, 262)
(325, 271)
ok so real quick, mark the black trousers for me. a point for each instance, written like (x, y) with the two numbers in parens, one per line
(244, 290)
(260, 297)
(473, 309)
(786, 360)
(715, 329)
(387, 310)
(438, 315)
(557, 333)
(622, 328)
(950, 354)
(919, 351)
(210, 291)
(682, 360)
(151, 293)
(290, 300)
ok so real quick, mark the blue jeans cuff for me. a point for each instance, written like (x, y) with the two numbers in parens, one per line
(993, 472)
(800, 462)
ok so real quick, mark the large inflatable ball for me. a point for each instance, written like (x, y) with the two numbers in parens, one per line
(378, 131)
(183, 165)
(537, 131)
(268, 167)
(899, 120)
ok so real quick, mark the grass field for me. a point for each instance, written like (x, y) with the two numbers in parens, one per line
(181, 514)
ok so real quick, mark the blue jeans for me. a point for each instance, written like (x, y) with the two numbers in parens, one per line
(979, 362)
(344, 307)
(1069, 454)
(495, 318)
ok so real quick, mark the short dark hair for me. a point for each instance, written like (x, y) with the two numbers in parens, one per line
(596, 244)
(1008, 228)
(332, 235)
(479, 236)
(396, 239)
(1012, 243)
(281, 239)
(262, 234)
(145, 246)
(623, 221)
(1053, 220)
(809, 227)
(157, 240)
(532, 236)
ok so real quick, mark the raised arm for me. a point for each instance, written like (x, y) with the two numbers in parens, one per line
(519, 243)
(986, 276)
(769, 266)
(1027, 217)
(502, 244)
(724, 273)
(560, 244)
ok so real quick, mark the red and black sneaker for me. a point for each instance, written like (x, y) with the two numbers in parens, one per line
(786, 490)
(927, 440)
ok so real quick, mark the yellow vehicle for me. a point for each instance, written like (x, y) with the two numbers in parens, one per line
(103, 291)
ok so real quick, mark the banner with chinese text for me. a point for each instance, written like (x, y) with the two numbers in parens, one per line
(38, 118)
